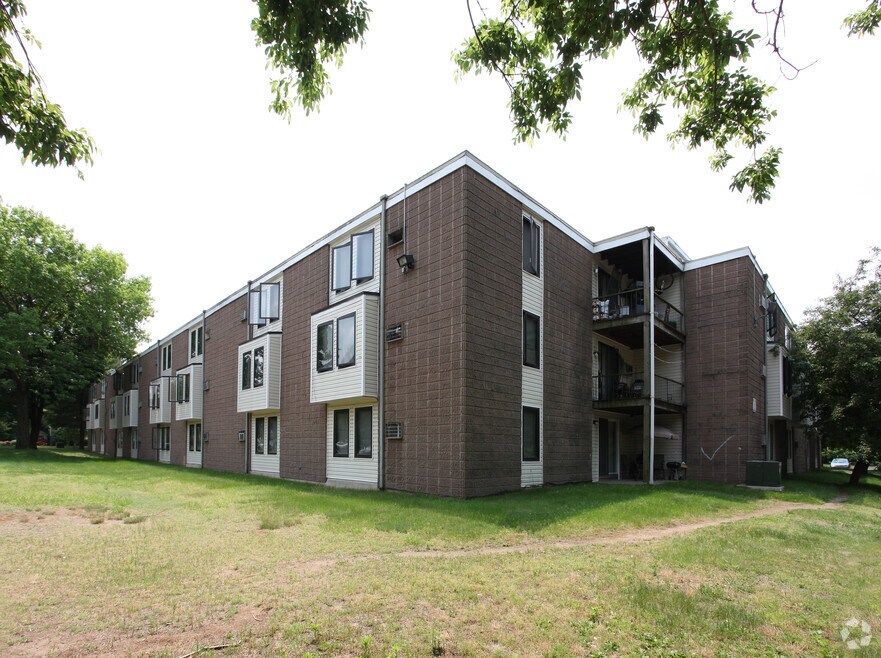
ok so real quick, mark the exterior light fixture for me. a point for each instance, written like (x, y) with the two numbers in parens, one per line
(405, 262)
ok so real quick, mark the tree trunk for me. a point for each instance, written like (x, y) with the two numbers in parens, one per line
(860, 469)
(35, 414)
(22, 417)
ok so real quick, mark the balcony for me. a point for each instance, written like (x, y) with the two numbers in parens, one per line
(620, 317)
(627, 393)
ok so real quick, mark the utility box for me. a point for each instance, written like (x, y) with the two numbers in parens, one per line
(763, 474)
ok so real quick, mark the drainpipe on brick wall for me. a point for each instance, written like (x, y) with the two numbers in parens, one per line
(767, 422)
(380, 480)
(239, 383)
(649, 287)
(204, 348)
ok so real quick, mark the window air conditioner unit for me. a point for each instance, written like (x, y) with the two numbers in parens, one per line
(394, 333)
(394, 430)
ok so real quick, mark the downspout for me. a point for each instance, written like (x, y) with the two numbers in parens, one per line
(159, 377)
(766, 421)
(204, 350)
(239, 383)
(650, 291)
(380, 480)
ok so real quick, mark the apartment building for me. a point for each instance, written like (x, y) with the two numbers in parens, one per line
(458, 338)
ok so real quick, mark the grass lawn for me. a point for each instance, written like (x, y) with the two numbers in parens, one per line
(121, 558)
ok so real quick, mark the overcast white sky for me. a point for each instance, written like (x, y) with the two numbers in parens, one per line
(202, 188)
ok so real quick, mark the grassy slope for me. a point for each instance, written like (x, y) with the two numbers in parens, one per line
(211, 544)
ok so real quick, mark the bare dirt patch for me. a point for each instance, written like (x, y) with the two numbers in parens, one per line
(110, 643)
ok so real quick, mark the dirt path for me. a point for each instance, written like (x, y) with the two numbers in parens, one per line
(651, 533)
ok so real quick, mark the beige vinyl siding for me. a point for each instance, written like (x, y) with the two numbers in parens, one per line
(673, 294)
(532, 472)
(116, 421)
(359, 381)
(371, 285)
(264, 464)
(166, 371)
(163, 413)
(272, 327)
(198, 358)
(351, 468)
(89, 413)
(774, 383)
(191, 410)
(670, 448)
(131, 419)
(669, 362)
(98, 423)
(268, 396)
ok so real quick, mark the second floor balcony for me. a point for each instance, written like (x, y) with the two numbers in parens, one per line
(621, 316)
(627, 393)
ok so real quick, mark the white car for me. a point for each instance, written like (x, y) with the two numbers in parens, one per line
(839, 462)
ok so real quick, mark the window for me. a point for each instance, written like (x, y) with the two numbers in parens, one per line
(166, 357)
(112, 409)
(324, 349)
(119, 441)
(252, 368)
(364, 432)
(362, 256)
(265, 304)
(155, 396)
(136, 372)
(353, 261)
(531, 434)
(97, 406)
(194, 437)
(531, 340)
(117, 380)
(182, 394)
(258, 367)
(161, 439)
(135, 440)
(531, 246)
(342, 267)
(345, 351)
(103, 388)
(259, 436)
(341, 433)
(272, 435)
(126, 406)
(246, 371)
(196, 342)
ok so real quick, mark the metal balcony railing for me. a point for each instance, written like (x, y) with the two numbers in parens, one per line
(631, 303)
(632, 386)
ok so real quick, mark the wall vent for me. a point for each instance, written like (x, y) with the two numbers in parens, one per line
(394, 430)
(394, 333)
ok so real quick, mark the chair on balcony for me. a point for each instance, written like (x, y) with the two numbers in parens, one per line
(622, 390)
(637, 389)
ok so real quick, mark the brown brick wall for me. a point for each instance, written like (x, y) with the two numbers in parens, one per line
(724, 356)
(568, 270)
(302, 425)
(425, 371)
(493, 304)
(225, 330)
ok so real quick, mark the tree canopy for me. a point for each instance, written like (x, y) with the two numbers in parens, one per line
(67, 314)
(28, 119)
(695, 70)
(840, 355)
